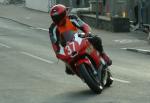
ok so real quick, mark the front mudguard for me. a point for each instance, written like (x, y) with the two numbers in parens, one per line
(85, 61)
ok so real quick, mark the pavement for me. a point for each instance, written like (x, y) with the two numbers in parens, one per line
(19, 13)
(41, 21)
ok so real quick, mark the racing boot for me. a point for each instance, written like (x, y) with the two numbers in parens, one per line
(69, 71)
(106, 59)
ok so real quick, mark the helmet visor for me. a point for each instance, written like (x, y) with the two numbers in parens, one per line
(58, 18)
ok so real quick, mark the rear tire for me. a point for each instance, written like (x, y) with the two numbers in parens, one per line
(93, 85)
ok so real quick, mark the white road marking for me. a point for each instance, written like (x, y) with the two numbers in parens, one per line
(120, 80)
(37, 57)
(127, 41)
(136, 49)
(38, 28)
(42, 29)
(48, 61)
(1, 44)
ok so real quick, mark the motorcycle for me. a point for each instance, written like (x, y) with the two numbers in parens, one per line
(85, 61)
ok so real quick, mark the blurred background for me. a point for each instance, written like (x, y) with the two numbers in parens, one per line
(122, 8)
(124, 11)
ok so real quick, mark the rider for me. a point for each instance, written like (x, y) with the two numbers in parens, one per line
(62, 22)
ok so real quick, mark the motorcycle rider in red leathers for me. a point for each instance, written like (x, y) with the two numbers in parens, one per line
(63, 22)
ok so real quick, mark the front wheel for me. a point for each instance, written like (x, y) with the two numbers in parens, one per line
(90, 80)
(109, 79)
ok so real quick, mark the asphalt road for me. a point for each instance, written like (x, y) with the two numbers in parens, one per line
(30, 73)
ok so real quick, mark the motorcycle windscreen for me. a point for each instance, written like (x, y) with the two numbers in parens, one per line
(66, 37)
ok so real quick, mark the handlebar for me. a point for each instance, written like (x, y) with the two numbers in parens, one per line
(82, 35)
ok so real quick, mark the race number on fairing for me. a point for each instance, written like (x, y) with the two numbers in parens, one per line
(70, 48)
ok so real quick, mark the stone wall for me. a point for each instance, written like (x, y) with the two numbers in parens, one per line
(114, 24)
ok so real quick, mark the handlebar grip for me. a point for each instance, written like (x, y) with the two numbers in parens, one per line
(81, 35)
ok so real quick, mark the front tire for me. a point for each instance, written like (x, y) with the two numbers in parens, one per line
(109, 79)
(93, 85)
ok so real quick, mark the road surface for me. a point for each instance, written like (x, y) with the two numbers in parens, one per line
(30, 73)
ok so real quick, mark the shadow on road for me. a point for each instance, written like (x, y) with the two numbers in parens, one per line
(79, 96)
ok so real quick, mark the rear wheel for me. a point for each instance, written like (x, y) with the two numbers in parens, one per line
(90, 78)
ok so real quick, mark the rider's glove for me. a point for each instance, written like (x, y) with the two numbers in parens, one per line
(89, 34)
(84, 35)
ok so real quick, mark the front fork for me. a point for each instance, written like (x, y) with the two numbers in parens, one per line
(97, 72)
(88, 62)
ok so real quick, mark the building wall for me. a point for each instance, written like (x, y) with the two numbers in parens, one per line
(41, 5)
(2, 1)
(74, 4)
(11, 1)
(64, 2)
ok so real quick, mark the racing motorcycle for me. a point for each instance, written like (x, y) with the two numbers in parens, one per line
(85, 61)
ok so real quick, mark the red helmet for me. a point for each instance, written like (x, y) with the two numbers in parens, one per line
(58, 13)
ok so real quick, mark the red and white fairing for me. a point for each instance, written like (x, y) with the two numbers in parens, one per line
(76, 49)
